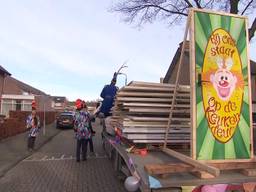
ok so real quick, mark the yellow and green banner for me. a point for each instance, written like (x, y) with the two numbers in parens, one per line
(223, 129)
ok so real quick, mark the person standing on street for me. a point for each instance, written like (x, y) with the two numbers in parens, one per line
(85, 110)
(33, 124)
(82, 131)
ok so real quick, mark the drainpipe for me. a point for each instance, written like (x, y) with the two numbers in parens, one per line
(2, 92)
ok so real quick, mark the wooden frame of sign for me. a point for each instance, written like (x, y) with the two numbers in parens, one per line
(226, 100)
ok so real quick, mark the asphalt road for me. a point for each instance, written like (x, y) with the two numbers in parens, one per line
(53, 168)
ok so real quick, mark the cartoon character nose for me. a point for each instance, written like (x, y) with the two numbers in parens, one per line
(224, 83)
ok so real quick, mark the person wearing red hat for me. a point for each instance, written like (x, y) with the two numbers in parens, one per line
(33, 124)
(81, 128)
(85, 110)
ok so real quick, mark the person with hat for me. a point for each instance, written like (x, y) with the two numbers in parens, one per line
(81, 128)
(85, 110)
(108, 94)
(33, 124)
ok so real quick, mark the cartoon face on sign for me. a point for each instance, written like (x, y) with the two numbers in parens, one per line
(223, 87)
(223, 80)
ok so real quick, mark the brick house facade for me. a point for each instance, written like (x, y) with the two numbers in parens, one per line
(18, 96)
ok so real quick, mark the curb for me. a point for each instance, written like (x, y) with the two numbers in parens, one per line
(27, 154)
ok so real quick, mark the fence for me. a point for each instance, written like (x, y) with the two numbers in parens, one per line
(16, 123)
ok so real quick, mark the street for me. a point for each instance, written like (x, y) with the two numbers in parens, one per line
(53, 168)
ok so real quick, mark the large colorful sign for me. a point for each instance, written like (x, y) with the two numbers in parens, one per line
(223, 124)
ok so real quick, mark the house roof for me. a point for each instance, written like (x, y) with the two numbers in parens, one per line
(4, 71)
(25, 87)
(59, 99)
(253, 67)
(175, 61)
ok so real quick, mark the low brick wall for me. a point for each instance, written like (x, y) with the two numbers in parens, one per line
(16, 123)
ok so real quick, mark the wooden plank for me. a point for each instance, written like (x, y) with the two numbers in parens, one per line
(182, 167)
(155, 105)
(250, 91)
(201, 166)
(218, 13)
(150, 119)
(249, 172)
(156, 169)
(161, 89)
(145, 99)
(153, 84)
(157, 110)
(146, 89)
(153, 130)
(156, 136)
(143, 94)
(233, 165)
(192, 84)
(203, 175)
(155, 125)
(176, 82)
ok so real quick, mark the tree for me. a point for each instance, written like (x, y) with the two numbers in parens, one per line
(174, 11)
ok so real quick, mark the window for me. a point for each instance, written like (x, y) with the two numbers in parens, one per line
(18, 105)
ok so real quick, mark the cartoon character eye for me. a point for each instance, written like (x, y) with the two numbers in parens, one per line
(222, 78)
(226, 78)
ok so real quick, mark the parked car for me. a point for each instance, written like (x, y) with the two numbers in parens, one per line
(65, 120)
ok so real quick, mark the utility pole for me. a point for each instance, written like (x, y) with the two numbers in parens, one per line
(44, 118)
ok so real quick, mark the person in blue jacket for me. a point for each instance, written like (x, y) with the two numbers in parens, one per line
(108, 94)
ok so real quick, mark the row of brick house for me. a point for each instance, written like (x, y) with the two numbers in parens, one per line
(18, 96)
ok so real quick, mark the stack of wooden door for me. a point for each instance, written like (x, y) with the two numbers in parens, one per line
(142, 110)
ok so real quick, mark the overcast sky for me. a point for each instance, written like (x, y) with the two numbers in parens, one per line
(72, 48)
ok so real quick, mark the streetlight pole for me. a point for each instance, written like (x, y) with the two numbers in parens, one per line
(44, 100)
(44, 118)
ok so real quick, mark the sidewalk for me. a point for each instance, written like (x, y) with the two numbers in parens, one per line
(14, 149)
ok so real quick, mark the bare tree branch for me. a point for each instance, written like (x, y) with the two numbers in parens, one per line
(252, 29)
(173, 11)
(198, 4)
(169, 11)
(189, 4)
(246, 7)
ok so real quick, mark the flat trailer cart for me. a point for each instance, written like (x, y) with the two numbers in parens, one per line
(128, 164)
(206, 104)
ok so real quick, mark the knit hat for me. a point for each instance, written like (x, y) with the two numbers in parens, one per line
(78, 104)
(33, 105)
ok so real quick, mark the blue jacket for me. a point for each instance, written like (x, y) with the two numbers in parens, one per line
(108, 94)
